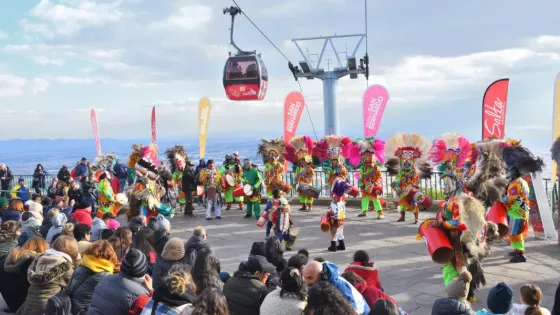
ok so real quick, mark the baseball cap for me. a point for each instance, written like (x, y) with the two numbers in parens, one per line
(259, 263)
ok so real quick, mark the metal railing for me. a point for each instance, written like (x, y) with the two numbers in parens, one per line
(433, 186)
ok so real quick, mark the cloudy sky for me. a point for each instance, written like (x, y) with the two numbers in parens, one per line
(60, 57)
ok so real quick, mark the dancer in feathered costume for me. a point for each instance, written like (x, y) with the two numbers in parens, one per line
(337, 215)
(333, 149)
(231, 168)
(134, 157)
(105, 194)
(449, 153)
(519, 162)
(367, 155)
(299, 151)
(178, 158)
(272, 152)
(106, 161)
(145, 193)
(407, 159)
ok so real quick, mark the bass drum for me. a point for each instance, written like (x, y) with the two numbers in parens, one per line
(309, 190)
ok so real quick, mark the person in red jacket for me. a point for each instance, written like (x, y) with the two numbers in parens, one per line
(370, 293)
(364, 268)
(82, 213)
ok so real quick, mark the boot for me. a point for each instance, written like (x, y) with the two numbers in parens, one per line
(332, 248)
(363, 214)
(228, 206)
(519, 257)
(303, 207)
(380, 215)
(401, 219)
(341, 245)
(415, 217)
(241, 206)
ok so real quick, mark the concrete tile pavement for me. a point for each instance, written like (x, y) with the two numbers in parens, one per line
(407, 272)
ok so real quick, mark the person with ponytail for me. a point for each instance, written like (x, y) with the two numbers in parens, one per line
(531, 299)
(175, 296)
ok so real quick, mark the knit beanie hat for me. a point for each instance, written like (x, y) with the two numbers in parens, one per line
(500, 298)
(134, 264)
(3, 202)
(113, 224)
(258, 248)
(162, 223)
(173, 250)
(459, 287)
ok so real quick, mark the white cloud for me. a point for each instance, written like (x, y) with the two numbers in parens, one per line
(46, 61)
(186, 18)
(11, 86)
(3, 35)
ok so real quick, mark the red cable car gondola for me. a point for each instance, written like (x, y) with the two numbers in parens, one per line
(245, 76)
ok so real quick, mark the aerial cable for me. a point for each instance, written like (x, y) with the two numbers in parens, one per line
(366, 56)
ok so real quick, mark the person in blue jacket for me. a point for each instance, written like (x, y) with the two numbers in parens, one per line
(82, 170)
(121, 171)
(21, 190)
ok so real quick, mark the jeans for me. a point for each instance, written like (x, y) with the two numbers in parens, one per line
(122, 182)
(217, 207)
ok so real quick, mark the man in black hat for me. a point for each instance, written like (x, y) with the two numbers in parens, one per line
(246, 289)
(189, 185)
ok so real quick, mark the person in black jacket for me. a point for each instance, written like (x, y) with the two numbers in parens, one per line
(6, 178)
(189, 185)
(195, 244)
(39, 179)
(121, 171)
(75, 193)
(64, 175)
(87, 190)
(164, 177)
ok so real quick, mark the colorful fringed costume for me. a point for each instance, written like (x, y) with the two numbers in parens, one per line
(145, 193)
(519, 161)
(407, 156)
(105, 194)
(233, 169)
(299, 152)
(367, 155)
(106, 161)
(178, 158)
(272, 152)
(251, 176)
(332, 149)
(337, 215)
(211, 178)
(282, 221)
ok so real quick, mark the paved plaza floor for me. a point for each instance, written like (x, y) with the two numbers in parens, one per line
(406, 270)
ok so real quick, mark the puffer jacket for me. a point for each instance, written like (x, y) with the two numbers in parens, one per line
(84, 280)
(98, 227)
(11, 215)
(47, 275)
(160, 271)
(192, 247)
(244, 293)
(369, 273)
(58, 222)
(13, 279)
(451, 306)
(7, 243)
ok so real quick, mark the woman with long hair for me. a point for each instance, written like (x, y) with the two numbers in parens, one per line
(48, 273)
(206, 271)
(121, 241)
(98, 261)
(75, 193)
(288, 298)
(175, 296)
(144, 242)
(39, 179)
(14, 211)
(9, 233)
(323, 298)
(13, 271)
(211, 301)
(530, 297)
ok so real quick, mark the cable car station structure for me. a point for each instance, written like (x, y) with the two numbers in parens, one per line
(311, 71)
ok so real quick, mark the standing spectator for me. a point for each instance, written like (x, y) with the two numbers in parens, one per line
(9, 232)
(13, 272)
(49, 273)
(195, 244)
(206, 271)
(210, 302)
(245, 291)
(14, 211)
(21, 190)
(324, 298)
(188, 185)
(173, 254)
(6, 178)
(64, 175)
(121, 173)
(531, 299)
(75, 193)
(39, 179)
(52, 190)
(175, 295)
(87, 190)
(124, 293)
(161, 234)
(82, 170)
(364, 268)
(499, 301)
(288, 298)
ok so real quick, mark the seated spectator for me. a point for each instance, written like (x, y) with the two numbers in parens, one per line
(82, 214)
(30, 226)
(21, 190)
(175, 295)
(456, 303)
(3, 205)
(144, 242)
(530, 297)
(136, 223)
(246, 290)
(315, 272)
(36, 209)
(82, 234)
(100, 224)
(48, 273)
(58, 220)
(275, 256)
(500, 300)
(152, 223)
(324, 298)
(384, 307)
(9, 233)
(127, 292)
(210, 302)
(195, 244)
(206, 271)
(298, 261)
(13, 272)
(121, 241)
(67, 229)
(14, 211)
(364, 268)
(98, 261)
(556, 306)
(47, 222)
(288, 298)
(173, 253)
(106, 234)
(369, 292)
(304, 252)
(319, 259)
(161, 234)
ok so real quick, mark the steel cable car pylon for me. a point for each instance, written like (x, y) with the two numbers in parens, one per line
(245, 75)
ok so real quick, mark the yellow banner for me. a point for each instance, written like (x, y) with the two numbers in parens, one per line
(204, 108)
(556, 121)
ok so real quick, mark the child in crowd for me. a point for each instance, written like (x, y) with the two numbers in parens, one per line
(500, 300)
(530, 298)
(274, 202)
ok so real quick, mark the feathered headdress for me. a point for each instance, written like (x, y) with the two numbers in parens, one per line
(332, 148)
(555, 151)
(150, 153)
(369, 149)
(488, 182)
(135, 156)
(522, 160)
(272, 148)
(106, 160)
(177, 157)
(450, 148)
(409, 148)
(299, 148)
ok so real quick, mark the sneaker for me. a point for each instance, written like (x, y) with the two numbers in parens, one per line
(361, 215)
(518, 258)
(247, 216)
(218, 217)
(380, 216)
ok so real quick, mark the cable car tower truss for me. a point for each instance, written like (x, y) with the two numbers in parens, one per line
(309, 70)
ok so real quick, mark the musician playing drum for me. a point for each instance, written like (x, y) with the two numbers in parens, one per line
(232, 168)
(211, 179)
(305, 174)
(252, 176)
(272, 172)
(105, 197)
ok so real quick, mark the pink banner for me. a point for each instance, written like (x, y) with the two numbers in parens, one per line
(494, 105)
(154, 124)
(374, 103)
(293, 107)
(93, 117)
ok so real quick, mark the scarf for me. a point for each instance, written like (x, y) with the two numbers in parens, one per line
(97, 265)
